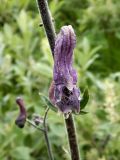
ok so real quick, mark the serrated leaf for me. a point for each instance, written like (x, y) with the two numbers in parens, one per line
(47, 102)
(84, 100)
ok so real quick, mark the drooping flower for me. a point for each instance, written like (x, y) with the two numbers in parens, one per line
(63, 92)
(21, 119)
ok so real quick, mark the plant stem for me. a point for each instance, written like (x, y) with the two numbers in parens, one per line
(72, 138)
(47, 22)
(34, 125)
(46, 136)
(50, 31)
(44, 130)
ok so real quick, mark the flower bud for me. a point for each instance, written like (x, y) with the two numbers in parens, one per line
(37, 119)
(21, 119)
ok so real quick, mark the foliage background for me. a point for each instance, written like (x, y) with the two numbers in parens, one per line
(26, 69)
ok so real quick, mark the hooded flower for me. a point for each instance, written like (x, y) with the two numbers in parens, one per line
(21, 119)
(63, 92)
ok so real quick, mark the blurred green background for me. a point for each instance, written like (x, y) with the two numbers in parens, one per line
(26, 69)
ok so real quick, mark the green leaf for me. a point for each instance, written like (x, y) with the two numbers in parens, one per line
(21, 152)
(83, 112)
(47, 102)
(22, 21)
(84, 100)
(80, 113)
(101, 114)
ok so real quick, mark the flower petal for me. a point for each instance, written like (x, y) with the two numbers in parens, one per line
(63, 92)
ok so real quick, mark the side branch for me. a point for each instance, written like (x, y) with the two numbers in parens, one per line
(46, 136)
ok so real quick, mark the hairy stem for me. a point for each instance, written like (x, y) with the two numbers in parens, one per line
(72, 138)
(47, 22)
(50, 32)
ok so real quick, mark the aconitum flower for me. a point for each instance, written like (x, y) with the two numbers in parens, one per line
(21, 119)
(63, 92)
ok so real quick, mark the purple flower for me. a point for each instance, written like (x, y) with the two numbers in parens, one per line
(63, 92)
(21, 119)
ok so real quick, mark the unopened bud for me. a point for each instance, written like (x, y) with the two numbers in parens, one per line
(21, 119)
(37, 119)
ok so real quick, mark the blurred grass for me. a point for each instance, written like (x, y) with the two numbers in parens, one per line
(26, 69)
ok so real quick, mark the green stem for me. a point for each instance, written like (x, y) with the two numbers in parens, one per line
(34, 125)
(46, 136)
(44, 130)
